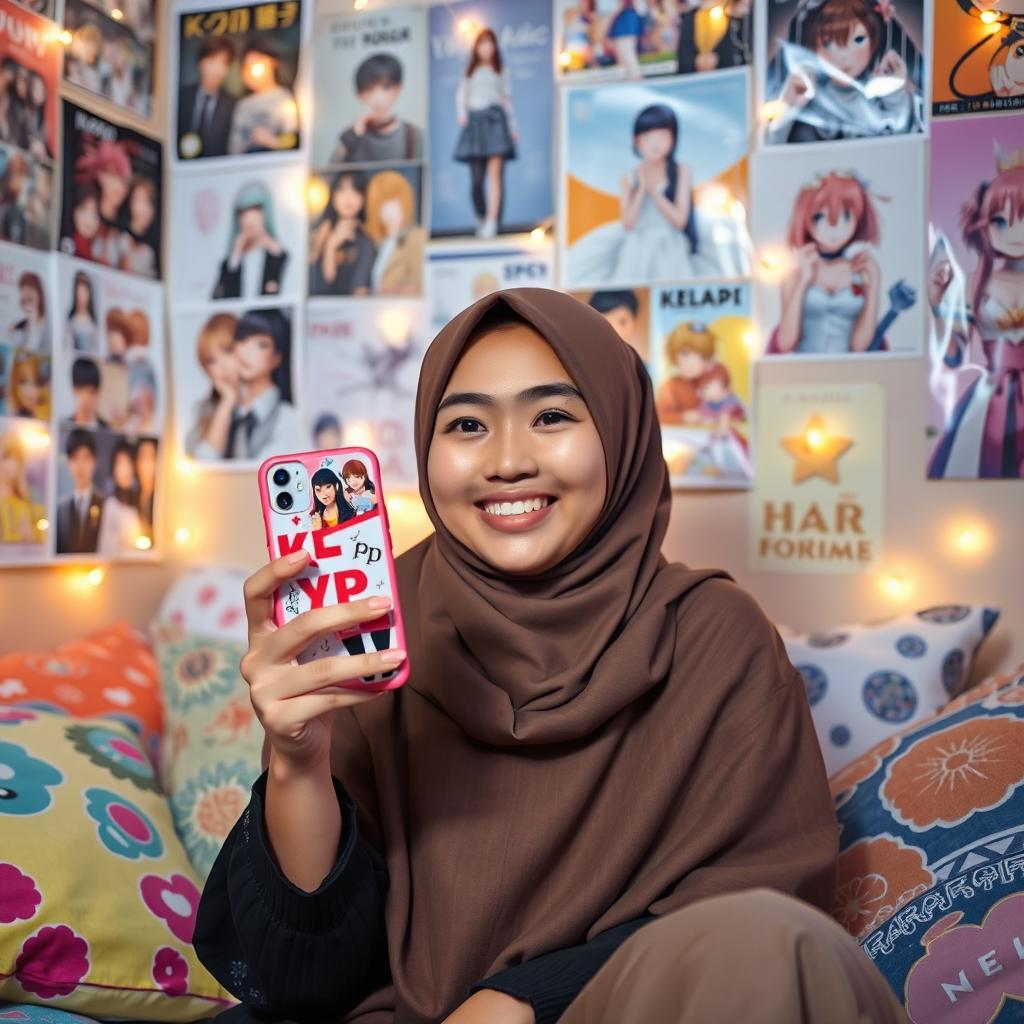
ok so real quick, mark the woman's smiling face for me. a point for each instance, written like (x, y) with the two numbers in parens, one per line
(516, 467)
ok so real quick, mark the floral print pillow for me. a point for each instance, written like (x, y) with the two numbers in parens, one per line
(931, 863)
(98, 900)
(212, 739)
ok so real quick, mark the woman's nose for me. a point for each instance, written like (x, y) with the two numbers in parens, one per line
(510, 454)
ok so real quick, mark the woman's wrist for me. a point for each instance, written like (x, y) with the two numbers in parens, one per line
(284, 770)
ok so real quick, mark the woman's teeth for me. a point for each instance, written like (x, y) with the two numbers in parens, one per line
(515, 508)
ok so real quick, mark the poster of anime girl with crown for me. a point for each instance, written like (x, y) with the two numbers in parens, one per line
(842, 69)
(976, 292)
(840, 266)
(978, 56)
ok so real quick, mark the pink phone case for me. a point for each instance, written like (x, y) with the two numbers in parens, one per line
(350, 558)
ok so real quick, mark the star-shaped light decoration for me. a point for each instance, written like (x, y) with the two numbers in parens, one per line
(816, 451)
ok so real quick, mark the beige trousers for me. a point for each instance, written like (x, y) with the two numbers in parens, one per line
(752, 957)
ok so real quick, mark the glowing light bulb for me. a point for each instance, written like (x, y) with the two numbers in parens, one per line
(35, 438)
(360, 5)
(815, 438)
(772, 109)
(564, 59)
(94, 577)
(117, 14)
(466, 26)
(537, 235)
(42, 525)
(182, 534)
(717, 12)
(143, 543)
(895, 585)
(186, 467)
(317, 194)
(970, 539)
(395, 325)
(358, 434)
(750, 340)
(258, 68)
(773, 264)
(65, 38)
(988, 17)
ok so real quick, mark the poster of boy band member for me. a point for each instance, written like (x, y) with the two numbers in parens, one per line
(107, 58)
(369, 87)
(237, 68)
(29, 69)
(112, 194)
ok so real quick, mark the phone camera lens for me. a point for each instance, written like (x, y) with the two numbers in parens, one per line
(280, 476)
(284, 500)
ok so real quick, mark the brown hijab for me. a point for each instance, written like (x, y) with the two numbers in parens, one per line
(614, 737)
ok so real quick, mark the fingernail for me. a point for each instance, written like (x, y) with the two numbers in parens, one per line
(298, 556)
(380, 602)
(393, 656)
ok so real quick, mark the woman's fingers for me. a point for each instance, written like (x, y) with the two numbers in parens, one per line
(295, 714)
(260, 587)
(285, 643)
(322, 672)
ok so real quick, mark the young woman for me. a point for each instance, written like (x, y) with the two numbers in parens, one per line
(359, 490)
(255, 259)
(17, 525)
(844, 77)
(211, 421)
(30, 386)
(400, 241)
(139, 243)
(658, 225)
(328, 509)
(341, 255)
(82, 333)
(120, 525)
(483, 107)
(984, 435)
(30, 332)
(600, 765)
(830, 299)
(623, 35)
(107, 164)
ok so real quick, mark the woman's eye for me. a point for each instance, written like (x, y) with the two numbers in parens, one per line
(859, 39)
(465, 425)
(817, 218)
(552, 417)
(999, 223)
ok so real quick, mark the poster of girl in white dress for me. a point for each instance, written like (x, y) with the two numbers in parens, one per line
(655, 180)
(26, 333)
(840, 265)
(238, 235)
(975, 412)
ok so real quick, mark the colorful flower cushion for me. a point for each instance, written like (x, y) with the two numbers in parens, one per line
(931, 863)
(111, 673)
(207, 601)
(865, 683)
(97, 898)
(212, 739)
(26, 1013)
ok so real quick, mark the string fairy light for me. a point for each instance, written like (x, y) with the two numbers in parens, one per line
(182, 535)
(895, 585)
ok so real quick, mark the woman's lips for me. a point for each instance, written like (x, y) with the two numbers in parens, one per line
(517, 523)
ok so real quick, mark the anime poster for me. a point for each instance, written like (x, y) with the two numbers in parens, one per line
(841, 264)
(26, 340)
(491, 117)
(24, 490)
(700, 354)
(235, 385)
(113, 182)
(975, 412)
(237, 75)
(110, 57)
(362, 365)
(655, 181)
(109, 350)
(628, 311)
(843, 69)
(26, 199)
(106, 493)
(30, 58)
(629, 39)
(817, 506)
(370, 77)
(365, 235)
(239, 235)
(978, 62)
(458, 277)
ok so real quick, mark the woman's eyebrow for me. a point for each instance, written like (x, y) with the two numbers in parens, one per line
(533, 394)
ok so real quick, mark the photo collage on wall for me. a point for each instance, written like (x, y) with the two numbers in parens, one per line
(83, 399)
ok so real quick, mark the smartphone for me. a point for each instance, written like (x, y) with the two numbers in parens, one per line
(332, 504)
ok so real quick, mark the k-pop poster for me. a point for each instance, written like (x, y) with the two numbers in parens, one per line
(365, 235)
(978, 65)
(235, 388)
(628, 311)
(108, 58)
(700, 352)
(491, 117)
(109, 350)
(24, 490)
(30, 59)
(239, 235)
(26, 199)
(113, 182)
(975, 286)
(26, 333)
(106, 494)
(361, 367)
(655, 180)
(458, 277)
(237, 73)
(370, 87)
(843, 69)
(841, 265)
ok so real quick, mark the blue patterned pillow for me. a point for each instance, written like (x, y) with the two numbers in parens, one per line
(931, 862)
(866, 683)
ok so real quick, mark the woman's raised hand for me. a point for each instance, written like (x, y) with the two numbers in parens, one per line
(294, 702)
